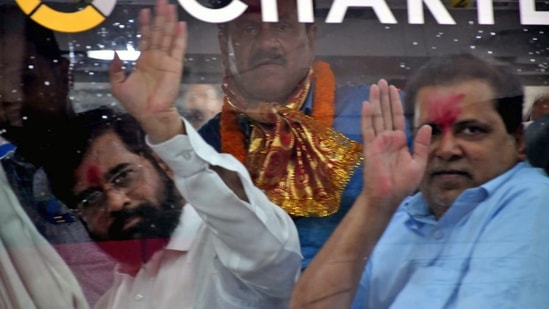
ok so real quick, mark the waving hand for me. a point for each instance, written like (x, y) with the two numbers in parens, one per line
(150, 91)
(391, 171)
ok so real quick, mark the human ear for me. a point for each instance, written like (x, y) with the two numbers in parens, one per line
(518, 135)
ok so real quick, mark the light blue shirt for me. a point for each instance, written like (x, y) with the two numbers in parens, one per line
(489, 250)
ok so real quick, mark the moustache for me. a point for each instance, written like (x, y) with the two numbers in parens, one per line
(440, 169)
(264, 58)
(153, 222)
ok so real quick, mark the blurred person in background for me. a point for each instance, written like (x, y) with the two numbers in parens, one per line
(537, 143)
(34, 104)
(200, 102)
(285, 117)
(540, 107)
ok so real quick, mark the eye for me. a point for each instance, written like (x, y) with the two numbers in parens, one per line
(123, 178)
(249, 29)
(90, 200)
(472, 130)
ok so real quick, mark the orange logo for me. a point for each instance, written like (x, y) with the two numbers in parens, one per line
(90, 16)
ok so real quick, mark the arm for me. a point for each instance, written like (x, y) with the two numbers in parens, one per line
(149, 93)
(390, 173)
(255, 239)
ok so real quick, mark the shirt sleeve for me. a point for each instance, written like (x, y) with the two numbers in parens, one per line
(256, 240)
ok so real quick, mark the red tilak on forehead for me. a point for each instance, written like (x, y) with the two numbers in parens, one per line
(444, 110)
(93, 175)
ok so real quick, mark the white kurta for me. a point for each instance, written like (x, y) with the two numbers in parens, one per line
(225, 253)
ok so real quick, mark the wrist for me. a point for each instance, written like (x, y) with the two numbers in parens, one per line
(162, 128)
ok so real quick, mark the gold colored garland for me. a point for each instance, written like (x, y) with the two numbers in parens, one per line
(232, 137)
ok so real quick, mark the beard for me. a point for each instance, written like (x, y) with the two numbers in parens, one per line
(135, 245)
(152, 222)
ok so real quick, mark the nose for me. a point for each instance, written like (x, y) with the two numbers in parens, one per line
(116, 200)
(447, 146)
(267, 37)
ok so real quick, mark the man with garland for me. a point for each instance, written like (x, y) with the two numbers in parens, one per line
(284, 117)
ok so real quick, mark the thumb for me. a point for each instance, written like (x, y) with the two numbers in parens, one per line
(116, 74)
(421, 144)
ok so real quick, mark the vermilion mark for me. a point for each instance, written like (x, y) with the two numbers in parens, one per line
(444, 110)
(93, 175)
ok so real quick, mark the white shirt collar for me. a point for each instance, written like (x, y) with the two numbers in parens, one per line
(185, 233)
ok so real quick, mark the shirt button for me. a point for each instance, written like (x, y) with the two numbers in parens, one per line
(186, 156)
(437, 234)
(139, 297)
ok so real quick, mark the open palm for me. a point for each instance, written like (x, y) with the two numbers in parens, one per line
(390, 171)
(149, 93)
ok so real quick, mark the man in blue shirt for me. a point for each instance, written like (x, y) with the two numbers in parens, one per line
(475, 234)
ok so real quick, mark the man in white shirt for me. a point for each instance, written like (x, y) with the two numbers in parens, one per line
(232, 248)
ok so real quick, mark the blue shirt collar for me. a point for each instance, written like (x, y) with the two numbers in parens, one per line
(417, 208)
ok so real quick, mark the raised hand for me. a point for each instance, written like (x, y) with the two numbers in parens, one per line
(149, 93)
(390, 171)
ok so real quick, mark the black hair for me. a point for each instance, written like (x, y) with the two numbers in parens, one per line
(454, 69)
(71, 145)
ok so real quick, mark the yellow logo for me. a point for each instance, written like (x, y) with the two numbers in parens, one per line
(90, 16)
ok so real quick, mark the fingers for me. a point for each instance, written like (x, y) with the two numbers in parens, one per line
(169, 28)
(375, 109)
(421, 144)
(159, 21)
(145, 29)
(368, 133)
(386, 108)
(180, 42)
(397, 109)
(116, 73)
(163, 32)
(385, 104)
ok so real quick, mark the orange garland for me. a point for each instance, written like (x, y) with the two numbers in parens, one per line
(232, 137)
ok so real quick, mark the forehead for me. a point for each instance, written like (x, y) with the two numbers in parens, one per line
(104, 152)
(470, 99)
(107, 150)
